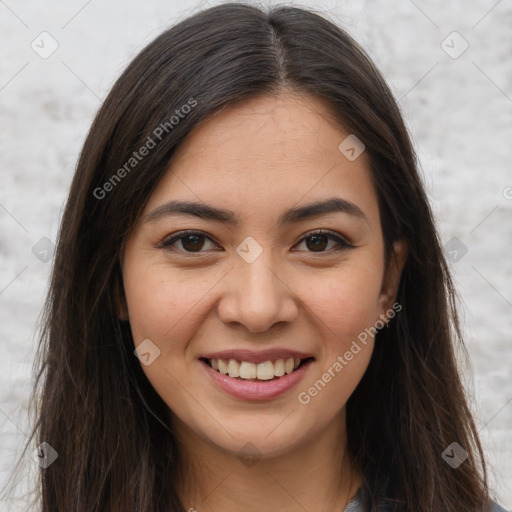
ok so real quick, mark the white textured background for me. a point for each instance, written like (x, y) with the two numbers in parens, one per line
(459, 111)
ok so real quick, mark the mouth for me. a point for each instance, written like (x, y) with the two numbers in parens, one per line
(264, 371)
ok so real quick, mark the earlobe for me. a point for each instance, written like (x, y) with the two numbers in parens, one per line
(391, 280)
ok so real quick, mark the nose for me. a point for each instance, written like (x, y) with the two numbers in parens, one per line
(258, 295)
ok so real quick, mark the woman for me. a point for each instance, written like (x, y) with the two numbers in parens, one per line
(250, 308)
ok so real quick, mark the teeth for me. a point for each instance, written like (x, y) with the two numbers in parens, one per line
(261, 371)
(223, 366)
(265, 371)
(233, 368)
(247, 370)
(279, 368)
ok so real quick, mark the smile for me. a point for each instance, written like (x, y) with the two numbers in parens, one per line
(261, 379)
(266, 370)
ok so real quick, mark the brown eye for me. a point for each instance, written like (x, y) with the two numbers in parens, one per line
(190, 242)
(319, 241)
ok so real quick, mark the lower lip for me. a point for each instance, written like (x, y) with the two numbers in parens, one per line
(257, 390)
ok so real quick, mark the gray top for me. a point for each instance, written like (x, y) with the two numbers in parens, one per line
(356, 504)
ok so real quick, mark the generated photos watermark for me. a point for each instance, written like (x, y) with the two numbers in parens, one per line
(137, 156)
(454, 455)
(351, 147)
(305, 397)
(147, 352)
(45, 455)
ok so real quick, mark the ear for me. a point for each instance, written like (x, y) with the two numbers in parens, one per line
(392, 274)
(119, 297)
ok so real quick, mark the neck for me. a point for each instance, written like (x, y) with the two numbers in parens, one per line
(316, 475)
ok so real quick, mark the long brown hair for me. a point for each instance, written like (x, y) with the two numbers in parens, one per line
(97, 408)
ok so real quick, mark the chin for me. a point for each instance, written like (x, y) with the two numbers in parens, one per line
(265, 439)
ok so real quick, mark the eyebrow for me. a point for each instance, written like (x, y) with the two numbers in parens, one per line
(228, 217)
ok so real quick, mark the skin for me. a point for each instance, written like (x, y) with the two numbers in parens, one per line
(258, 159)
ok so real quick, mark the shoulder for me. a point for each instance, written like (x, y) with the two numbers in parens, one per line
(357, 503)
(496, 508)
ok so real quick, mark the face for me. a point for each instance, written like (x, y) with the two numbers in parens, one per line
(254, 275)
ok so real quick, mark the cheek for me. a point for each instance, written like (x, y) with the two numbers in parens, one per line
(161, 304)
(345, 308)
(345, 317)
(346, 303)
(165, 307)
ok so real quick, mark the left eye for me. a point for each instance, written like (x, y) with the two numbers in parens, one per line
(193, 242)
(319, 240)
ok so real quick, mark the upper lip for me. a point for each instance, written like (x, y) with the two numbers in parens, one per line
(257, 356)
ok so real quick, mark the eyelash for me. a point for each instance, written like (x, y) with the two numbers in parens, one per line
(342, 244)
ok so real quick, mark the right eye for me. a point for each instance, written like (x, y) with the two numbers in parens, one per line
(191, 241)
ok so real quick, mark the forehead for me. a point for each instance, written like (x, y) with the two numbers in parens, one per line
(267, 151)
